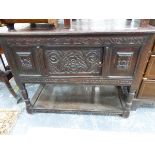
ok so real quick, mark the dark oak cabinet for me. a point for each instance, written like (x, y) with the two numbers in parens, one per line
(113, 60)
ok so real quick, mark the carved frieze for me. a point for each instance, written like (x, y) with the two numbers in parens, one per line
(77, 40)
(76, 80)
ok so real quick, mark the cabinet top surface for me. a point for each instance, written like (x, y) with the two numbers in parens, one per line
(81, 26)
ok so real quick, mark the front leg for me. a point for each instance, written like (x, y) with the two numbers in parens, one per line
(130, 98)
(128, 105)
(24, 94)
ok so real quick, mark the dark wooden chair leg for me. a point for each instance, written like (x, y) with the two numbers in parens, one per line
(2, 62)
(5, 76)
(10, 27)
(8, 85)
(32, 25)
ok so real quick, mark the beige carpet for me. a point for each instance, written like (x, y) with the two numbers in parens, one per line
(7, 120)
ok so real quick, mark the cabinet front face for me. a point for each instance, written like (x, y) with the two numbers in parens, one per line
(123, 60)
(104, 59)
(117, 61)
(74, 61)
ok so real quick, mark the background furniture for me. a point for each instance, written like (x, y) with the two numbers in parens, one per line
(147, 89)
(6, 75)
(152, 22)
(10, 22)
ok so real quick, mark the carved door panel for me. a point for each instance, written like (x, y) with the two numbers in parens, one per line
(74, 61)
(123, 60)
(27, 59)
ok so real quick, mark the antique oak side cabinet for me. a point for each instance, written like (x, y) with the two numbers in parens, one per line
(110, 55)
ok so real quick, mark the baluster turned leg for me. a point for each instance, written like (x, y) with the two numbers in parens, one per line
(130, 98)
(26, 98)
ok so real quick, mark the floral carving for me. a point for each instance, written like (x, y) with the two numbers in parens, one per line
(72, 61)
(26, 62)
(54, 58)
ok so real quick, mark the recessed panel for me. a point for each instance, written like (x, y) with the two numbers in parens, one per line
(123, 60)
(74, 61)
(24, 58)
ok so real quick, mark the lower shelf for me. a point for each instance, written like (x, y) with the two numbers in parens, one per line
(78, 99)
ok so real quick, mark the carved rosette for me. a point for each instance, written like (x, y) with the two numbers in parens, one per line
(74, 63)
(26, 62)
